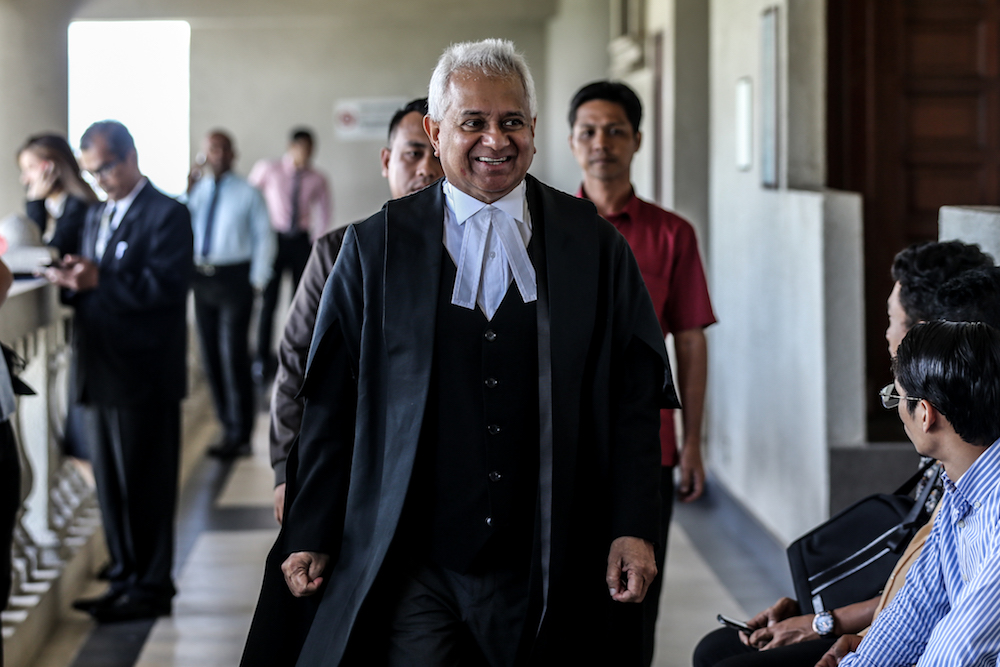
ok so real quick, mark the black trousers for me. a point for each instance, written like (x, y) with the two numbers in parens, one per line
(425, 615)
(293, 253)
(10, 501)
(135, 452)
(722, 648)
(651, 603)
(223, 303)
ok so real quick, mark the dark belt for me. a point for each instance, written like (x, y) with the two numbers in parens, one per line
(221, 270)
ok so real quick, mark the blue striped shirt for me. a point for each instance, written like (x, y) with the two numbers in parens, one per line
(948, 613)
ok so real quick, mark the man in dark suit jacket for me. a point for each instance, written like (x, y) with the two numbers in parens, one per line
(476, 478)
(129, 288)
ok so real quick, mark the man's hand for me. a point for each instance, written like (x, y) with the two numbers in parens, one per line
(76, 273)
(777, 612)
(789, 631)
(846, 644)
(279, 502)
(631, 568)
(302, 571)
(197, 171)
(692, 482)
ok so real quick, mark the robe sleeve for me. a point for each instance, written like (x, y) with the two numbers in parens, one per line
(643, 384)
(319, 482)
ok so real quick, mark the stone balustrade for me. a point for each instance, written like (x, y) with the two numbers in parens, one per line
(59, 512)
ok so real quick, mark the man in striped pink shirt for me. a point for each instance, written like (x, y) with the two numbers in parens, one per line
(299, 204)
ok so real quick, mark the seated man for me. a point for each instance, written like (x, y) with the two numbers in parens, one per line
(946, 392)
(918, 295)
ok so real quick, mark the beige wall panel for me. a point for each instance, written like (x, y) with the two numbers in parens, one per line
(33, 81)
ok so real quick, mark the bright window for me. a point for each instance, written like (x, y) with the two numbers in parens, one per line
(136, 72)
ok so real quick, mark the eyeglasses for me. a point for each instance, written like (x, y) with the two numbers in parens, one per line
(105, 169)
(891, 399)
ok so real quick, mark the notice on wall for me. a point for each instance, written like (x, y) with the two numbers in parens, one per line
(365, 119)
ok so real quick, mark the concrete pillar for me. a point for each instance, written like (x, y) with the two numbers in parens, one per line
(575, 54)
(33, 78)
(971, 224)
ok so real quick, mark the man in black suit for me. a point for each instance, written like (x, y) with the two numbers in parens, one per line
(129, 288)
(476, 477)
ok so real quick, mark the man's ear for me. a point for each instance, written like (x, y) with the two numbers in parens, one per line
(928, 415)
(384, 155)
(433, 129)
(638, 140)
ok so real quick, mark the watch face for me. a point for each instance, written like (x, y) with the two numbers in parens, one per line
(823, 623)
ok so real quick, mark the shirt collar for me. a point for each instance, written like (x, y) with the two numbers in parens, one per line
(288, 164)
(465, 206)
(981, 479)
(631, 206)
(55, 205)
(125, 202)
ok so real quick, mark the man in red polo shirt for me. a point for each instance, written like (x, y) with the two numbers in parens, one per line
(604, 120)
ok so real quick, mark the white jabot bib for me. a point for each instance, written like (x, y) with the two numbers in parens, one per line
(488, 243)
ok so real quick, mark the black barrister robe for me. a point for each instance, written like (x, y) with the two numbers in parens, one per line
(366, 389)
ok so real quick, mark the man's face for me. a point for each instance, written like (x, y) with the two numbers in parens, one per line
(301, 151)
(603, 141)
(486, 139)
(897, 320)
(409, 162)
(116, 176)
(219, 153)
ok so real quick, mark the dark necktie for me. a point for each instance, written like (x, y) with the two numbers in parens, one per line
(104, 231)
(293, 225)
(206, 243)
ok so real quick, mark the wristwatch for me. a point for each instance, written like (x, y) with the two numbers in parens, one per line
(823, 624)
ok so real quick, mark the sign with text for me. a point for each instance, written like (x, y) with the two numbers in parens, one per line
(365, 119)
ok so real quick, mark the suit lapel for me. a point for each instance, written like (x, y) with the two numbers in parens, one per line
(567, 266)
(571, 276)
(91, 226)
(413, 251)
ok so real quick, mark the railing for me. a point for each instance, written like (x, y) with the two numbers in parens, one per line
(59, 509)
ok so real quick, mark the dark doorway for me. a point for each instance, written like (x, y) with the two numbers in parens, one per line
(913, 125)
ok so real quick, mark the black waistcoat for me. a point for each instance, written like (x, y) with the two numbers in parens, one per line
(472, 496)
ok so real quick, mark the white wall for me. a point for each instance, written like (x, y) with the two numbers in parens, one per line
(260, 68)
(32, 81)
(576, 54)
(785, 363)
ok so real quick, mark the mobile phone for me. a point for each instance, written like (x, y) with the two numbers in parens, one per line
(734, 624)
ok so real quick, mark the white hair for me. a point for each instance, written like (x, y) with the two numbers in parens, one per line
(492, 57)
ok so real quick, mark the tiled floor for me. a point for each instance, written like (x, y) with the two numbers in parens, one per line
(220, 577)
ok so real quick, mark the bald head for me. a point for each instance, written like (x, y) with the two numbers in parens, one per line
(219, 153)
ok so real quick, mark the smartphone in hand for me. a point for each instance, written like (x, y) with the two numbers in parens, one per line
(734, 624)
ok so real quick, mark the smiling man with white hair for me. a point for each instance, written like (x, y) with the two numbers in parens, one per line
(475, 481)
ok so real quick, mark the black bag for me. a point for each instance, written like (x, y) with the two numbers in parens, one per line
(15, 364)
(849, 558)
